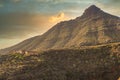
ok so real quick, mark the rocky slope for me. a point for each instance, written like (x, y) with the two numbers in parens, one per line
(92, 28)
(91, 63)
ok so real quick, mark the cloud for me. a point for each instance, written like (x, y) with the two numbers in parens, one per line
(16, 1)
(106, 6)
(108, 3)
(56, 18)
(1, 5)
(49, 0)
(15, 27)
(14, 24)
(20, 25)
(25, 18)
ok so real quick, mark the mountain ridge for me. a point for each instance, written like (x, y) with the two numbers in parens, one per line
(92, 28)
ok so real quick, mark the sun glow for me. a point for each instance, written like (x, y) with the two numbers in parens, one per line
(59, 17)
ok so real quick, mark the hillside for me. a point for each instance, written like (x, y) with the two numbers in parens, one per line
(94, 27)
(90, 63)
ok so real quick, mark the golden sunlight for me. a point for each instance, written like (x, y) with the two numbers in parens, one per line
(59, 17)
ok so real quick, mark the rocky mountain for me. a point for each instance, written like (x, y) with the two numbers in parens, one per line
(94, 27)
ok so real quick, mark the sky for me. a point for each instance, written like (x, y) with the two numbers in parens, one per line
(22, 19)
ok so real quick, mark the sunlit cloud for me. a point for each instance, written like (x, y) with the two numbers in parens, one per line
(58, 17)
(26, 18)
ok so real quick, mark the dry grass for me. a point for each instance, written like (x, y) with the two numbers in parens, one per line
(95, 63)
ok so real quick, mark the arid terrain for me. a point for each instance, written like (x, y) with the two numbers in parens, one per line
(85, 48)
(92, 63)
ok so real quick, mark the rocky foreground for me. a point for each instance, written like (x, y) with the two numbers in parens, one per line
(91, 63)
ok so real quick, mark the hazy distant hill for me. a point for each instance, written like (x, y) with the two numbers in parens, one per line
(92, 63)
(92, 28)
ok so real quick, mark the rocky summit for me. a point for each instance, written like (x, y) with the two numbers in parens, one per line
(94, 27)
(85, 48)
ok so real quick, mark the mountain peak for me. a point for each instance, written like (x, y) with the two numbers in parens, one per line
(94, 27)
(93, 7)
(92, 10)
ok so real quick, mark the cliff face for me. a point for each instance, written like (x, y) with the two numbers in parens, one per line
(92, 28)
(91, 63)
